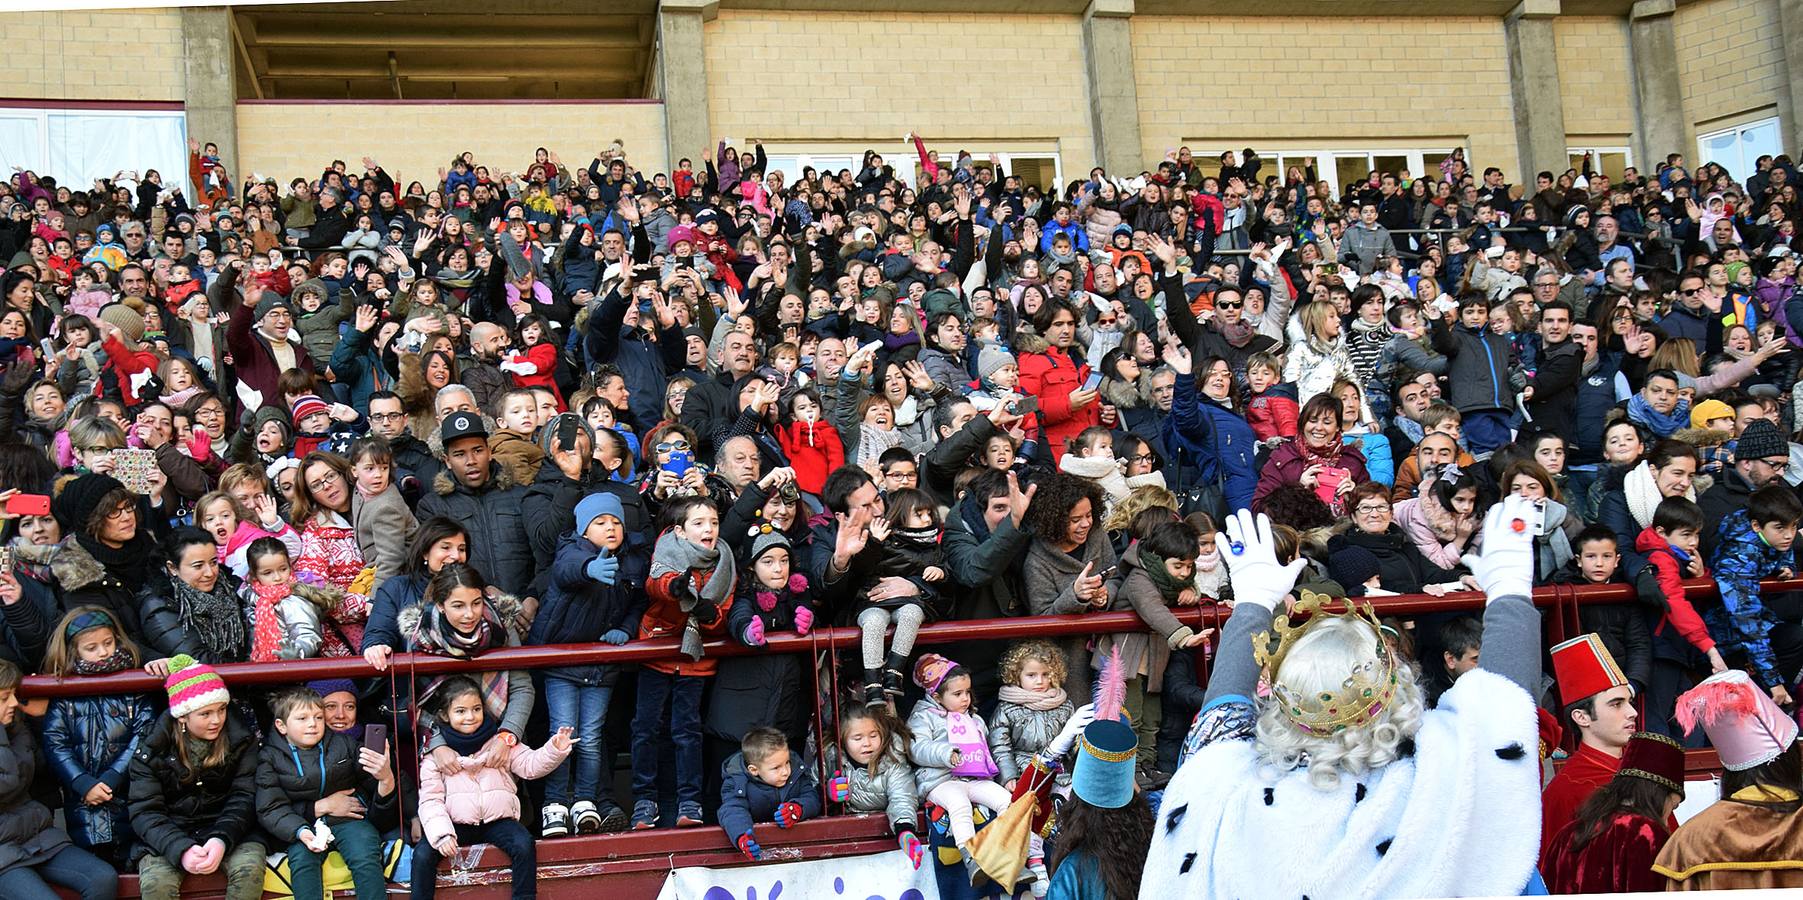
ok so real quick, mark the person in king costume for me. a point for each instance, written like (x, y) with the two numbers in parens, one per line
(1340, 783)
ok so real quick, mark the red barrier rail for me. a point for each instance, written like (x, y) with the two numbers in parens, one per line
(1563, 600)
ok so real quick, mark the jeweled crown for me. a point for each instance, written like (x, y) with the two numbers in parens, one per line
(1368, 689)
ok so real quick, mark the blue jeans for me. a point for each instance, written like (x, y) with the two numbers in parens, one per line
(71, 867)
(1486, 430)
(355, 840)
(507, 834)
(674, 700)
(583, 707)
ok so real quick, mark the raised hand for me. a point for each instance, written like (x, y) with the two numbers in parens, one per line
(1505, 565)
(1250, 552)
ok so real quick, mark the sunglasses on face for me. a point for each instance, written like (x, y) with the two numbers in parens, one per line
(1230, 304)
(672, 446)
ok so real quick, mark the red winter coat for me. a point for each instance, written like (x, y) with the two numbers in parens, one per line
(814, 451)
(1679, 613)
(1274, 412)
(1052, 376)
(664, 618)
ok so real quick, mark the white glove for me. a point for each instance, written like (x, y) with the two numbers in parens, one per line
(1505, 567)
(1074, 726)
(1252, 569)
(518, 367)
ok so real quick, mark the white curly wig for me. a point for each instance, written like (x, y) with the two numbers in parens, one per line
(1319, 662)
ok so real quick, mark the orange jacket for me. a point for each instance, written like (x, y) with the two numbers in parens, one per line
(664, 618)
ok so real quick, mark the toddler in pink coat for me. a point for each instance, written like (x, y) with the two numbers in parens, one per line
(475, 800)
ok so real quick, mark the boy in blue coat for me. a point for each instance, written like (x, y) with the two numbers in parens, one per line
(759, 784)
(1751, 544)
(596, 593)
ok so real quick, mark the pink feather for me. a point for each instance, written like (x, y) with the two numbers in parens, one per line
(1713, 701)
(1111, 687)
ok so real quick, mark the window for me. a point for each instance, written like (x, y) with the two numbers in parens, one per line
(1337, 167)
(1612, 161)
(78, 146)
(1738, 149)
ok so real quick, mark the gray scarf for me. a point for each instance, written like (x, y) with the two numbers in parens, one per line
(678, 555)
(216, 619)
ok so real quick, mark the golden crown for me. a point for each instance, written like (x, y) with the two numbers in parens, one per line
(1368, 689)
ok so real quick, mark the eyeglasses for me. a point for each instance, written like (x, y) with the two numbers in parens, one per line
(1108, 321)
(1142, 457)
(1691, 292)
(672, 446)
(1229, 305)
(121, 511)
(1372, 509)
(386, 417)
(324, 481)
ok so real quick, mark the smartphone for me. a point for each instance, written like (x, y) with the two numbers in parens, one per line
(679, 463)
(375, 737)
(1095, 380)
(6, 559)
(1109, 572)
(1330, 268)
(28, 505)
(1024, 406)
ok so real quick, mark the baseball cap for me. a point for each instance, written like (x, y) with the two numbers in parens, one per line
(461, 425)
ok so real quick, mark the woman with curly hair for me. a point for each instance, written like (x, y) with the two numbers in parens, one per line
(1066, 559)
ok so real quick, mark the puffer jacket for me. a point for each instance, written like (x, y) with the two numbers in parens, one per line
(89, 741)
(1207, 443)
(173, 811)
(1477, 369)
(889, 791)
(478, 794)
(28, 836)
(1020, 732)
(1052, 376)
(290, 779)
(318, 330)
(931, 751)
(745, 800)
(579, 609)
(499, 548)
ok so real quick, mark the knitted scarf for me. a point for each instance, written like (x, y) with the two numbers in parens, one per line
(676, 554)
(435, 635)
(1042, 701)
(1643, 493)
(1410, 428)
(1160, 575)
(118, 662)
(214, 618)
(129, 563)
(1237, 334)
(267, 635)
(472, 743)
(1662, 424)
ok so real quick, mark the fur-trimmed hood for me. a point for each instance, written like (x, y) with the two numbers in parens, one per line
(507, 608)
(74, 567)
(444, 484)
(1703, 437)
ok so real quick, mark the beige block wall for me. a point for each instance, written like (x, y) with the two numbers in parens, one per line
(813, 77)
(111, 55)
(412, 140)
(1593, 55)
(1342, 82)
(1730, 57)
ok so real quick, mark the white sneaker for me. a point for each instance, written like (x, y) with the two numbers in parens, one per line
(556, 821)
(588, 818)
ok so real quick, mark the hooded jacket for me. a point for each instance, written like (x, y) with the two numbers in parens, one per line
(579, 609)
(745, 800)
(492, 515)
(290, 780)
(478, 794)
(28, 836)
(1477, 371)
(890, 790)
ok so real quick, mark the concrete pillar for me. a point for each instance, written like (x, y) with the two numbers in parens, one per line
(1790, 22)
(682, 75)
(210, 89)
(1534, 87)
(1113, 98)
(1660, 123)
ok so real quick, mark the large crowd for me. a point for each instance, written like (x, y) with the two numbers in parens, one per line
(529, 403)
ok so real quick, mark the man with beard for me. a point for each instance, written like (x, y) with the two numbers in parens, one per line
(482, 374)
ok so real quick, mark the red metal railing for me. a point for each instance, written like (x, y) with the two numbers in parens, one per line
(642, 858)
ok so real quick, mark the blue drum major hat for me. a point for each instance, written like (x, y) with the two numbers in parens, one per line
(1106, 757)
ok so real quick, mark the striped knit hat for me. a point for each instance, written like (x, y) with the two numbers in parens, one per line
(193, 686)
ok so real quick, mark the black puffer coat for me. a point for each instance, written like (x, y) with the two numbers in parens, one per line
(499, 548)
(172, 813)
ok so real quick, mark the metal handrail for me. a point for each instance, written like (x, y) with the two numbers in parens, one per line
(555, 655)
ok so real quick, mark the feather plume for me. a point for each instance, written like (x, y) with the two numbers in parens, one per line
(1716, 699)
(1111, 687)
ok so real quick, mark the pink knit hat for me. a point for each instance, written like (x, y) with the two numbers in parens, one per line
(193, 686)
(1746, 727)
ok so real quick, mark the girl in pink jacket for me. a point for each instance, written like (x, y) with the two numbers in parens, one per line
(474, 800)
